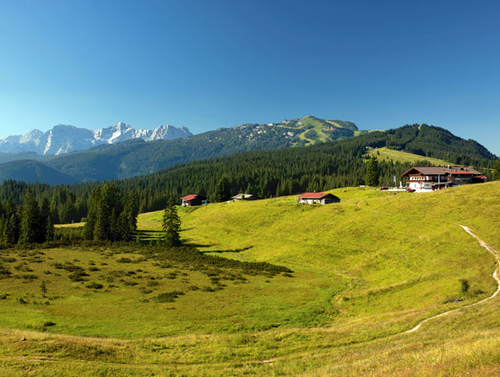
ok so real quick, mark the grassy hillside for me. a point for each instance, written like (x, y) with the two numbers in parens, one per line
(364, 271)
(311, 130)
(400, 156)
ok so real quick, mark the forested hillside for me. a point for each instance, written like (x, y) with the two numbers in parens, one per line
(270, 173)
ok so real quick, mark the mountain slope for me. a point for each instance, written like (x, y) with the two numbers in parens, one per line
(136, 157)
(33, 171)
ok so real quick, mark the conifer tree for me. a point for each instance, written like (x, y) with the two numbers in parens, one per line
(496, 171)
(372, 172)
(171, 225)
(30, 220)
(90, 224)
(49, 232)
(107, 218)
(222, 192)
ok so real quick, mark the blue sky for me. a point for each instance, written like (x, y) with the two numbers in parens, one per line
(210, 64)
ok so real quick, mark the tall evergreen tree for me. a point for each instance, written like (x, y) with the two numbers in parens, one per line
(222, 191)
(127, 221)
(496, 171)
(49, 231)
(91, 220)
(171, 225)
(372, 172)
(30, 220)
(107, 218)
(109, 203)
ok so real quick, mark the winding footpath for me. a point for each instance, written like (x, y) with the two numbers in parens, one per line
(496, 276)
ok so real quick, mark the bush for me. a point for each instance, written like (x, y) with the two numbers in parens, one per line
(464, 286)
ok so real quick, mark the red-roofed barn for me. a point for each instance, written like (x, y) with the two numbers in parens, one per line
(193, 200)
(318, 198)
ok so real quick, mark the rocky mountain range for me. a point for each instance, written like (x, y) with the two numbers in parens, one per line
(111, 159)
(62, 139)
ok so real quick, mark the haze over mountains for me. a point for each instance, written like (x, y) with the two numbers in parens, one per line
(63, 139)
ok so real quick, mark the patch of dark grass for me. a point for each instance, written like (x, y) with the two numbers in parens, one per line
(124, 260)
(26, 277)
(23, 266)
(211, 263)
(4, 272)
(95, 285)
(78, 275)
(168, 296)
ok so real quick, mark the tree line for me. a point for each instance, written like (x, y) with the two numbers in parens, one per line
(26, 224)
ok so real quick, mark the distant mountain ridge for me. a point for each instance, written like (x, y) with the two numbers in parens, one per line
(62, 139)
(134, 157)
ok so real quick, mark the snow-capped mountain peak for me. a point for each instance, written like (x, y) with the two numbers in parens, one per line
(66, 138)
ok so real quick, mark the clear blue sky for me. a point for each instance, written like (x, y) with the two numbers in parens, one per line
(209, 64)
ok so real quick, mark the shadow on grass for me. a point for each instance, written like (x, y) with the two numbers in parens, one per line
(228, 251)
(198, 245)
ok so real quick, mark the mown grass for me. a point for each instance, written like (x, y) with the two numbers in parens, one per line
(364, 271)
(400, 156)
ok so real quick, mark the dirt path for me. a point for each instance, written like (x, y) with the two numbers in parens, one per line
(496, 276)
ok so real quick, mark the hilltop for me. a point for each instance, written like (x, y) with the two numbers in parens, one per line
(363, 272)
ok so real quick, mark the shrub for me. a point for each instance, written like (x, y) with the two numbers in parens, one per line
(464, 286)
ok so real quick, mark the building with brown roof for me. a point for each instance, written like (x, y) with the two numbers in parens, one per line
(428, 178)
(193, 200)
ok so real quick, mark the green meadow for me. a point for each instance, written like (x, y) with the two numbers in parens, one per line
(400, 156)
(267, 288)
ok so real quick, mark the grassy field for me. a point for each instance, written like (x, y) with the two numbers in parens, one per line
(317, 126)
(400, 156)
(364, 271)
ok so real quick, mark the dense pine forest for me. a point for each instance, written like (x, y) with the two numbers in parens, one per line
(263, 173)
